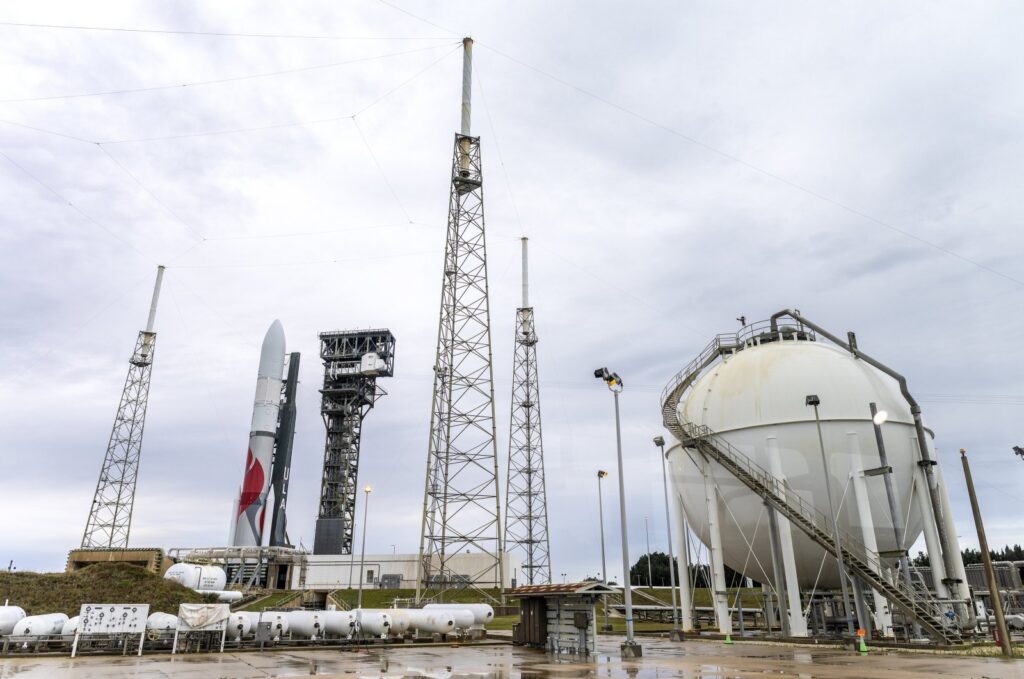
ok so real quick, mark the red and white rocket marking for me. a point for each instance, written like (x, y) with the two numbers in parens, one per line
(252, 519)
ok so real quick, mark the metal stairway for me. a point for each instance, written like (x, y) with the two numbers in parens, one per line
(862, 562)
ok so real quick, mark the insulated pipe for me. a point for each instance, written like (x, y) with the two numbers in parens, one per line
(949, 545)
(931, 540)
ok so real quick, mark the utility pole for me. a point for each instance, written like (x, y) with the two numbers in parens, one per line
(110, 515)
(986, 559)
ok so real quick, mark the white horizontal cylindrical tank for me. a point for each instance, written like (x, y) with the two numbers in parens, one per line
(373, 623)
(197, 576)
(278, 620)
(307, 624)
(435, 621)
(239, 626)
(482, 613)
(162, 622)
(339, 623)
(70, 627)
(400, 620)
(40, 625)
(9, 617)
(224, 595)
(755, 400)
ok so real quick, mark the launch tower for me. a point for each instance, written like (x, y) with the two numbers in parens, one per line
(353, 360)
(461, 504)
(526, 505)
(110, 516)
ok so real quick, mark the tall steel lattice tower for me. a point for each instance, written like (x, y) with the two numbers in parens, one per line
(110, 517)
(353, 360)
(526, 504)
(461, 503)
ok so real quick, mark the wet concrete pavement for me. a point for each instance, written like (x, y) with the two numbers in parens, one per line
(662, 660)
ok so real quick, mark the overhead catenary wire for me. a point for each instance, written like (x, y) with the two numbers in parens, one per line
(217, 81)
(380, 168)
(756, 168)
(216, 34)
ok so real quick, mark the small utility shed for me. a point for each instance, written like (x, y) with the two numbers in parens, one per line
(559, 618)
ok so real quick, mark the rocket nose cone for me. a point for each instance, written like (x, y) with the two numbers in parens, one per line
(272, 353)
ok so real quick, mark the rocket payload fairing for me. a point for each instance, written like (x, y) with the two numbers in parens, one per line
(251, 516)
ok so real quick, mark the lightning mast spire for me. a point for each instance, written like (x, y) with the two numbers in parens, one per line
(110, 515)
(461, 502)
(526, 507)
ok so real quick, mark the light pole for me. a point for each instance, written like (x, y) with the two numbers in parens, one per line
(677, 634)
(630, 649)
(604, 565)
(813, 400)
(362, 552)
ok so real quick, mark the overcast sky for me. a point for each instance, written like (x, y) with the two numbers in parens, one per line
(675, 165)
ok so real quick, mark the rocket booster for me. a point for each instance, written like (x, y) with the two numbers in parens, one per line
(250, 518)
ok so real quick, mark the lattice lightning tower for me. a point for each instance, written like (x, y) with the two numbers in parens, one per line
(461, 503)
(526, 506)
(110, 516)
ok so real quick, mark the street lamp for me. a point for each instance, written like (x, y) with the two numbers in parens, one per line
(677, 635)
(813, 400)
(604, 565)
(362, 552)
(630, 649)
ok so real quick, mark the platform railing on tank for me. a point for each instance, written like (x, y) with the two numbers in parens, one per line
(818, 520)
(752, 334)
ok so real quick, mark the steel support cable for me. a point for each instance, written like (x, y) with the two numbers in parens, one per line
(497, 149)
(217, 81)
(380, 168)
(417, 17)
(77, 209)
(217, 34)
(750, 542)
(758, 169)
(824, 556)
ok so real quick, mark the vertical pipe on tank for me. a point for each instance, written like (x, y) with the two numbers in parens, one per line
(965, 613)
(931, 534)
(683, 564)
(797, 621)
(720, 596)
(883, 615)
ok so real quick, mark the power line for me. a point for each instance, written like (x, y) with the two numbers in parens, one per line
(391, 188)
(252, 76)
(405, 82)
(417, 17)
(755, 168)
(217, 34)
(323, 232)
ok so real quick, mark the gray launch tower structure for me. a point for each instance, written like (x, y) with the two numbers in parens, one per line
(353, 360)
(461, 503)
(110, 516)
(526, 505)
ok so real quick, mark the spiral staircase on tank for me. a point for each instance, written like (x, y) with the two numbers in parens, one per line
(916, 603)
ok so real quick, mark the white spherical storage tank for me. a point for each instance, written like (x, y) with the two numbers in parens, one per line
(755, 399)
(197, 576)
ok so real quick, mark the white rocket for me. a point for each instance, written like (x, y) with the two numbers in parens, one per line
(252, 520)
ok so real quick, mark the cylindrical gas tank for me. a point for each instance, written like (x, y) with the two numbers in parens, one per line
(755, 401)
(482, 613)
(400, 620)
(308, 624)
(40, 625)
(435, 621)
(197, 576)
(279, 623)
(239, 626)
(225, 595)
(339, 623)
(373, 623)
(162, 622)
(9, 617)
(70, 627)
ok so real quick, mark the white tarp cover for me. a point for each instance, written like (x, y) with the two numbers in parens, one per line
(203, 616)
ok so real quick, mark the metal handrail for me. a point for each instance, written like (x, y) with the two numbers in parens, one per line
(817, 520)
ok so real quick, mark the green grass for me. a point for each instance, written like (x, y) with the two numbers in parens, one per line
(273, 601)
(383, 598)
(100, 583)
